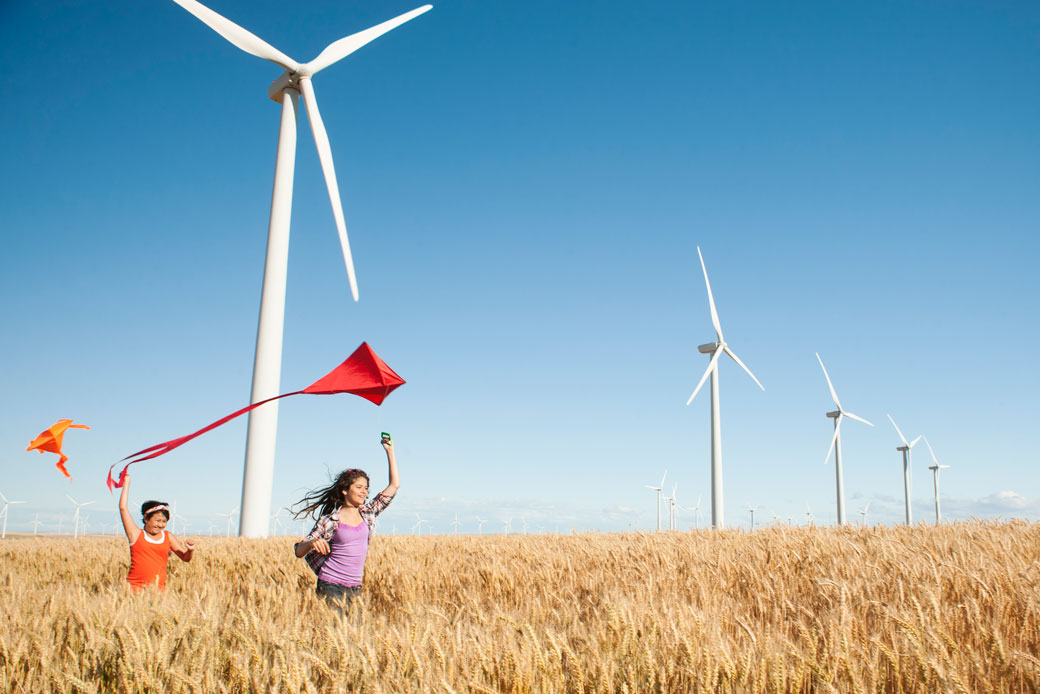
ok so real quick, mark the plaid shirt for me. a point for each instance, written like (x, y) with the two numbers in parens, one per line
(325, 527)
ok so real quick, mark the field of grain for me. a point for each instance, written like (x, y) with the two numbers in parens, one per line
(922, 609)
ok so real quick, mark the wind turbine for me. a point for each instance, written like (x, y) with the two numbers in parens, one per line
(810, 517)
(523, 524)
(418, 524)
(505, 525)
(230, 515)
(863, 512)
(935, 479)
(753, 509)
(184, 522)
(907, 479)
(697, 514)
(258, 475)
(837, 415)
(36, 524)
(276, 518)
(455, 524)
(715, 349)
(75, 517)
(3, 534)
(673, 504)
(660, 492)
(480, 525)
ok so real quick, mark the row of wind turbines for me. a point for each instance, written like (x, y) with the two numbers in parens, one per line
(719, 347)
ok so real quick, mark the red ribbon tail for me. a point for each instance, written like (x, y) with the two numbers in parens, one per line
(167, 446)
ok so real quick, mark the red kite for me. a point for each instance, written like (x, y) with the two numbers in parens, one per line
(363, 374)
(50, 441)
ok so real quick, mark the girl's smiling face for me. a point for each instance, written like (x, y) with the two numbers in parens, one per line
(155, 523)
(357, 493)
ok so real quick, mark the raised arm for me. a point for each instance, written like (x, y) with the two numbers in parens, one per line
(131, 529)
(395, 478)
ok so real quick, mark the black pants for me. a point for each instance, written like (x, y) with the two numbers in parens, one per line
(336, 595)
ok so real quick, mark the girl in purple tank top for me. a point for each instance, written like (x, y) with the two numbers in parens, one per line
(337, 546)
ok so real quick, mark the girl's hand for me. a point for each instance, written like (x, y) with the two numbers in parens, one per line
(189, 545)
(388, 445)
(320, 545)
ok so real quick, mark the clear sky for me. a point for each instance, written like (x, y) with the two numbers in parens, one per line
(525, 185)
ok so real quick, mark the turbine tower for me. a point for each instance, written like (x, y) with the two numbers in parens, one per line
(75, 517)
(3, 534)
(660, 497)
(753, 509)
(935, 479)
(837, 415)
(907, 478)
(258, 475)
(715, 349)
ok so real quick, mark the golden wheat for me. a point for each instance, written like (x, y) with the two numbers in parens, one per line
(922, 609)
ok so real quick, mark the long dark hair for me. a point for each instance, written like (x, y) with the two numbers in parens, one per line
(323, 501)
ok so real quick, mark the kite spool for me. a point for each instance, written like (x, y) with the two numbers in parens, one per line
(384, 437)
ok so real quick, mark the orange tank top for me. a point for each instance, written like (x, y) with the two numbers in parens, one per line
(148, 561)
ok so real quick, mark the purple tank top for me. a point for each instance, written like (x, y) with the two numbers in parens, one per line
(346, 563)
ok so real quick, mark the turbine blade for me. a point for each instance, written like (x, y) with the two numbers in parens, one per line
(662, 478)
(321, 140)
(914, 442)
(735, 358)
(339, 50)
(829, 384)
(711, 365)
(930, 450)
(834, 439)
(858, 419)
(711, 299)
(247, 41)
(901, 437)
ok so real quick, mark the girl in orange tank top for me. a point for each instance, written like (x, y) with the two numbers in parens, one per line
(150, 547)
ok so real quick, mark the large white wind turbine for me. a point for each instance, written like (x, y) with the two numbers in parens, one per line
(296, 80)
(907, 479)
(3, 534)
(75, 517)
(660, 497)
(715, 349)
(837, 415)
(935, 479)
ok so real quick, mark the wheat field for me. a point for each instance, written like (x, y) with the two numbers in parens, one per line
(858, 609)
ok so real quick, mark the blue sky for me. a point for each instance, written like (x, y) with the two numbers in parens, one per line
(525, 186)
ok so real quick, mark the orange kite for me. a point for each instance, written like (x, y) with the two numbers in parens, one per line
(50, 441)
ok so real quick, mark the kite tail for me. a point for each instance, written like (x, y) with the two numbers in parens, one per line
(61, 464)
(163, 448)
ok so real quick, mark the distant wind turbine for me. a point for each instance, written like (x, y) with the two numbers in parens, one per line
(36, 523)
(697, 514)
(753, 509)
(673, 506)
(716, 349)
(3, 534)
(935, 479)
(907, 479)
(480, 525)
(810, 517)
(230, 515)
(75, 518)
(837, 415)
(455, 525)
(418, 524)
(506, 525)
(863, 512)
(294, 82)
(660, 497)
